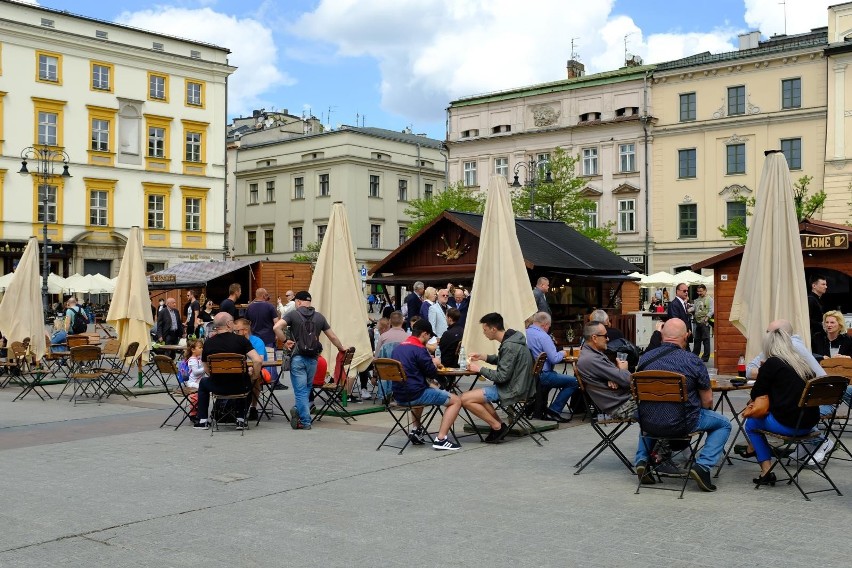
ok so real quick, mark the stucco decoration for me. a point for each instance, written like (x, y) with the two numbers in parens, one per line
(734, 191)
(545, 115)
(736, 139)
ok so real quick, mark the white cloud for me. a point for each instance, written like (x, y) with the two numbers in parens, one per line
(802, 15)
(252, 46)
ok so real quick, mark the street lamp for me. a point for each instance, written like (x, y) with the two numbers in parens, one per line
(45, 159)
(531, 168)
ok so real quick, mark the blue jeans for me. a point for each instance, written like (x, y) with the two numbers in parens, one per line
(758, 441)
(553, 380)
(717, 427)
(302, 370)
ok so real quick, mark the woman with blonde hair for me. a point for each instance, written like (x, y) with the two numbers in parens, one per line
(833, 341)
(430, 295)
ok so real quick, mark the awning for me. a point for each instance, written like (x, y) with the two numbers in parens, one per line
(191, 274)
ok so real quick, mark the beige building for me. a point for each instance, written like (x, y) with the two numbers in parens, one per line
(141, 118)
(838, 140)
(599, 118)
(284, 188)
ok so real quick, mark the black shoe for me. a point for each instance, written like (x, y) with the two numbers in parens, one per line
(553, 415)
(768, 479)
(702, 478)
(280, 387)
(252, 415)
(416, 436)
(495, 436)
(201, 425)
(645, 477)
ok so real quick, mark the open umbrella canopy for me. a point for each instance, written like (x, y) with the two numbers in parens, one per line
(500, 283)
(660, 280)
(130, 309)
(55, 283)
(89, 284)
(21, 312)
(771, 283)
(690, 277)
(336, 291)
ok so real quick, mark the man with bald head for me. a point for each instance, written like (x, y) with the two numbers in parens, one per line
(673, 356)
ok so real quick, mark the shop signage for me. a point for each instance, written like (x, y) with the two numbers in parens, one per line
(838, 241)
(171, 278)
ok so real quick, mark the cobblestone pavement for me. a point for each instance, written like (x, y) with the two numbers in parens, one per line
(102, 485)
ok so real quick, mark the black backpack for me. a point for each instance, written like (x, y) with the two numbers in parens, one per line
(80, 323)
(306, 337)
(623, 346)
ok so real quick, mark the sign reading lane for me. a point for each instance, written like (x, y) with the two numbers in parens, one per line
(833, 241)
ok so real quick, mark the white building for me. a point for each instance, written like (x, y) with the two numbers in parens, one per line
(141, 117)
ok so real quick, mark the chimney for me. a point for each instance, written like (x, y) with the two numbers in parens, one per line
(749, 40)
(575, 69)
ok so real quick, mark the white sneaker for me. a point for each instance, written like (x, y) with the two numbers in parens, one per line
(365, 394)
(822, 452)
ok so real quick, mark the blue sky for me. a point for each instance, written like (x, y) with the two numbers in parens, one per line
(398, 63)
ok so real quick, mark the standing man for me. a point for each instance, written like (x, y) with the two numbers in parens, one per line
(437, 313)
(229, 304)
(542, 285)
(702, 312)
(192, 309)
(169, 326)
(538, 342)
(413, 302)
(678, 308)
(303, 366)
(263, 316)
(461, 302)
(291, 303)
(815, 308)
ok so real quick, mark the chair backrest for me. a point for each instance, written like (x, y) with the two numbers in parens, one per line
(85, 353)
(538, 366)
(389, 370)
(227, 364)
(165, 365)
(659, 386)
(387, 349)
(838, 367)
(19, 350)
(131, 350)
(821, 391)
(341, 371)
(111, 347)
(76, 340)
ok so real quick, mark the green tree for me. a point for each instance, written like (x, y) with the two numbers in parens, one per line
(562, 200)
(456, 197)
(806, 207)
(309, 254)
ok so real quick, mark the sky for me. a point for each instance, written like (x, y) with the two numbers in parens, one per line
(398, 64)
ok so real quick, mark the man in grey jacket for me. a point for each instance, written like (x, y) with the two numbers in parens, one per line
(512, 378)
(606, 383)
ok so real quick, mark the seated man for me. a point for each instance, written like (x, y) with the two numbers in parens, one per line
(242, 327)
(226, 342)
(450, 340)
(672, 356)
(601, 316)
(606, 383)
(415, 390)
(512, 378)
(539, 341)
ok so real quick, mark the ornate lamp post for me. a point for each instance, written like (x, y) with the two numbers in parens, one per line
(532, 167)
(45, 160)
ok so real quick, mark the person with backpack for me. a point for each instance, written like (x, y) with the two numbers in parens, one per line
(305, 324)
(76, 320)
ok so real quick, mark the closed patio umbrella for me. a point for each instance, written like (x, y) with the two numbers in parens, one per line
(21, 312)
(771, 282)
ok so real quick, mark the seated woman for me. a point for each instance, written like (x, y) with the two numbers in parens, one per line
(833, 342)
(782, 378)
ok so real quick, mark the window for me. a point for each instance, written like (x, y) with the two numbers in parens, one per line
(469, 174)
(791, 93)
(193, 146)
(251, 242)
(736, 159)
(686, 163)
(736, 213)
(193, 214)
(156, 212)
(590, 161)
(792, 150)
(194, 94)
(324, 190)
(268, 240)
(543, 161)
(158, 130)
(297, 239)
(253, 194)
(428, 190)
(501, 167)
(98, 208)
(321, 232)
(49, 67)
(375, 236)
(736, 100)
(626, 215)
(270, 191)
(687, 221)
(158, 87)
(156, 142)
(48, 128)
(374, 186)
(101, 135)
(403, 190)
(299, 188)
(591, 221)
(403, 234)
(47, 121)
(194, 154)
(687, 107)
(50, 190)
(101, 77)
(627, 157)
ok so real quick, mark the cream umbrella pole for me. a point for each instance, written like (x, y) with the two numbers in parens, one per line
(22, 312)
(130, 309)
(771, 282)
(336, 291)
(500, 283)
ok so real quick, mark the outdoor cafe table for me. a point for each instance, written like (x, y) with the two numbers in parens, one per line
(724, 386)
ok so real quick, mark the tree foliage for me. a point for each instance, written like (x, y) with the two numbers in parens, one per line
(309, 253)
(562, 199)
(456, 197)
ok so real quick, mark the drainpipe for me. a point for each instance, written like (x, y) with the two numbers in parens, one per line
(418, 170)
(645, 120)
(225, 226)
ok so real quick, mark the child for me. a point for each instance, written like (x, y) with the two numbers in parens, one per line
(192, 356)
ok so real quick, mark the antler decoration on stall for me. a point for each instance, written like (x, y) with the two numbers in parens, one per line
(453, 252)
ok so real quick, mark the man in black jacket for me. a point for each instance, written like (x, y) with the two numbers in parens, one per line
(169, 324)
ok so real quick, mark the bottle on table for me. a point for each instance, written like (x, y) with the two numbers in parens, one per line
(741, 367)
(462, 359)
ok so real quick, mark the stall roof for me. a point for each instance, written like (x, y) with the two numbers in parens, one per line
(196, 273)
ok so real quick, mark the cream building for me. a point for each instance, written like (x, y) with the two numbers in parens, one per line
(600, 118)
(284, 188)
(838, 140)
(141, 117)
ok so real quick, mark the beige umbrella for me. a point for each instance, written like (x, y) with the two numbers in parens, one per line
(21, 312)
(336, 291)
(500, 283)
(771, 283)
(130, 309)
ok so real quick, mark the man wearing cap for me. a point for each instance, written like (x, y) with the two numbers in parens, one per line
(303, 367)
(415, 390)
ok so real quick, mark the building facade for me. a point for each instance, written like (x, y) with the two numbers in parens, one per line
(141, 118)
(284, 188)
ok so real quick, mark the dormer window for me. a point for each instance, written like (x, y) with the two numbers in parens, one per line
(472, 133)
(590, 116)
(626, 111)
(501, 128)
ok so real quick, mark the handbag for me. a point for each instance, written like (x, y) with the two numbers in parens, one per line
(757, 408)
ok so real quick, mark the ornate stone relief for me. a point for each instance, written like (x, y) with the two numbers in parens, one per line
(736, 139)
(544, 115)
(734, 190)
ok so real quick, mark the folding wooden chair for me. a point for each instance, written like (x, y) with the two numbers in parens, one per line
(331, 394)
(663, 387)
(820, 391)
(229, 364)
(391, 370)
(181, 395)
(116, 369)
(540, 404)
(608, 428)
(268, 402)
(29, 375)
(518, 411)
(85, 374)
(839, 367)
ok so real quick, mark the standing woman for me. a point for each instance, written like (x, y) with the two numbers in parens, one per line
(833, 342)
(195, 372)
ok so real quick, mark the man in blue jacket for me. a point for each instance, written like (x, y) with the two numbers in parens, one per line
(415, 389)
(539, 341)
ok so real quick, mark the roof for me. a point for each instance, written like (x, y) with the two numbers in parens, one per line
(403, 137)
(197, 273)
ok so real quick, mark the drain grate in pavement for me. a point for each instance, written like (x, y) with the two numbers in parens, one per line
(229, 477)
